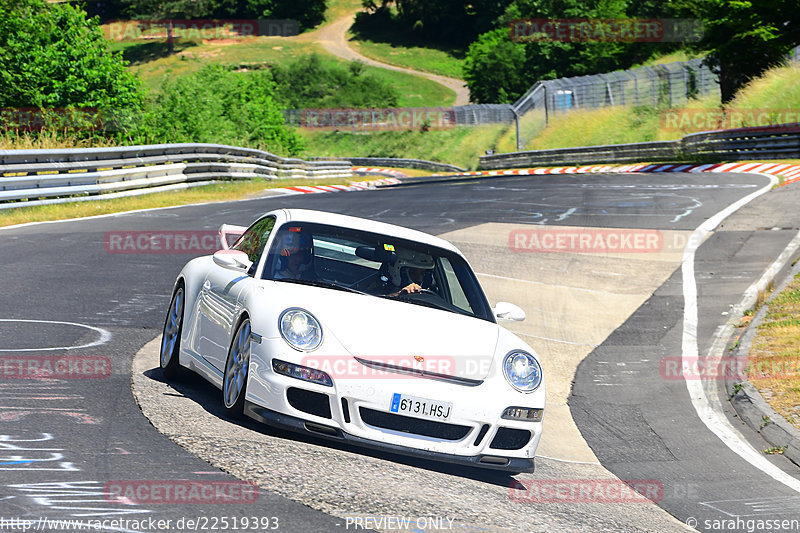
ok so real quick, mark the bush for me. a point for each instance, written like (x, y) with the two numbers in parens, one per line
(218, 105)
(494, 69)
(309, 83)
(53, 57)
(308, 13)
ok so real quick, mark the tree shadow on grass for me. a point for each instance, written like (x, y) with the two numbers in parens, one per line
(392, 34)
(145, 52)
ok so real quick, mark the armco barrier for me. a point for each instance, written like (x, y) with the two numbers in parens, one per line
(29, 174)
(399, 162)
(613, 153)
(776, 142)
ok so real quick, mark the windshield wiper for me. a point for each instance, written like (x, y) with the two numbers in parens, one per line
(323, 284)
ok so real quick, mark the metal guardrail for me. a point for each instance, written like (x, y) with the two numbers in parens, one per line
(777, 142)
(36, 174)
(617, 153)
(398, 162)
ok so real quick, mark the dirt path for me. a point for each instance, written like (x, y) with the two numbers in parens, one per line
(333, 38)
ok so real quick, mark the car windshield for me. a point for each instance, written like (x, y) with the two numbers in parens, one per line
(377, 265)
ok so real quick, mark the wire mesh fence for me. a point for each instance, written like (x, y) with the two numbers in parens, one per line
(665, 85)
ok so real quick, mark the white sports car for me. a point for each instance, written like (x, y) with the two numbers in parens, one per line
(358, 331)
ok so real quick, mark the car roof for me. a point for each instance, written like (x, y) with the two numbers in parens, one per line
(346, 221)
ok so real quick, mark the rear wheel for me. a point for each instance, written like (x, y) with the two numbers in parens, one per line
(171, 338)
(237, 366)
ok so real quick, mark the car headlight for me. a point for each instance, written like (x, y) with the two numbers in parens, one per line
(300, 329)
(522, 371)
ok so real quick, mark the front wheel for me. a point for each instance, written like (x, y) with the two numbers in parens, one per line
(237, 366)
(171, 338)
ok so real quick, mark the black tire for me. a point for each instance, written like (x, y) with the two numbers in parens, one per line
(237, 370)
(171, 336)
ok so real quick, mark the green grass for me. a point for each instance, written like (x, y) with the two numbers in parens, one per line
(530, 126)
(415, 91)
(380, 39)
(405, 54)
(774, 358)
(678, 55)
(151, 62)
(458, 146)
(777, 90)
(610, 125)
(336, 9)
(217, 192)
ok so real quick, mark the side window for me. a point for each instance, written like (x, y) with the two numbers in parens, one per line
(457, 295)
(254, 239)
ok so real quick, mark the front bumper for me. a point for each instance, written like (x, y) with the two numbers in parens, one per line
(292, 423)
(356, 410)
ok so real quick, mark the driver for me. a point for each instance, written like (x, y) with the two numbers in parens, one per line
(417, 281)
(417, 277)
(296, 256)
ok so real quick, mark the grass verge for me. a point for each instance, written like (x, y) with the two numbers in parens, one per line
(152, 63)
(457, 146)
(217, 192)
(405, 54)
(774, 359)
(774, 97)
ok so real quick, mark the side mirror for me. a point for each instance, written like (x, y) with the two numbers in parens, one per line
(509, 312)
(233, 259)
(228, 231)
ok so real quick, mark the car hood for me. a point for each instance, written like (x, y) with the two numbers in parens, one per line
(401, 334)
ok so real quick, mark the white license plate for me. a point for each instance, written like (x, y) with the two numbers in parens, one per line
(420, 407)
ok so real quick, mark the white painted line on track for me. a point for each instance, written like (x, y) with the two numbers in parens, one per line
(707, 406)
(104, 336)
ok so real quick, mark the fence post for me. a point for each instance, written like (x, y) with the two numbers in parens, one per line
(546, 105)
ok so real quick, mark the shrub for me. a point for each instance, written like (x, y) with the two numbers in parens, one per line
(218, 105)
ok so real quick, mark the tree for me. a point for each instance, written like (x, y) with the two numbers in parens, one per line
(308, 13)
(444, 21)
(218, 105)
(52, 56)
(746, 38)
(165, 9)
(497, 69)
(494, 68)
